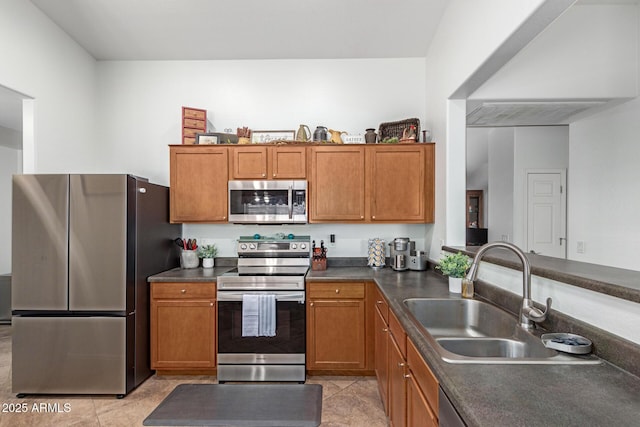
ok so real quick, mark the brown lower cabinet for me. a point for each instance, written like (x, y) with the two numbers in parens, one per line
(408, 388)
(183, 327)
(337, 331)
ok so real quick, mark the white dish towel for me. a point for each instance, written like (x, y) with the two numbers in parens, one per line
(258, 315)
(267, 315)
(250, 315)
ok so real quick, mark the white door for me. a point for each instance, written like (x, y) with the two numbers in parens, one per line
(546, 213)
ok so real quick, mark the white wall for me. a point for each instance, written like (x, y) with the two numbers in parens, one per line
(42, 62)
(140, 115)
(500, 211)
(604, 197)
(538, 147)
(9, 165)
(591, 51)
(467, 34)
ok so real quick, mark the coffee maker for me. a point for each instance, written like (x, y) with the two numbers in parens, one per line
(401, 248)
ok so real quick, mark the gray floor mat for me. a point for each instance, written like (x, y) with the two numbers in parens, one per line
(253, 405)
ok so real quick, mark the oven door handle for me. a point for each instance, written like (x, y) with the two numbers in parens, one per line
(237, 296)
(290, 194)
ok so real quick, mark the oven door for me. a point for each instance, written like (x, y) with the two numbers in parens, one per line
(288, 344)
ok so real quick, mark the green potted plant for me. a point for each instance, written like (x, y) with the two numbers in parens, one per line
(455, 266)
(207, 253)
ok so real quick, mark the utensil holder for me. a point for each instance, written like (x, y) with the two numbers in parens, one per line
(189, 259)
(319, 264)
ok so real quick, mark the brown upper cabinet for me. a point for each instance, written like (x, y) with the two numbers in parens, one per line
(401, 183)
(347, 183)
(198, 176)
(262, 162)
(337, 184)
(379, 183)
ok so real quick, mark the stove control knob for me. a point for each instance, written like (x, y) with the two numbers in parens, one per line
(252, 246)
(303, 246)
(294, 246)
(243, 246)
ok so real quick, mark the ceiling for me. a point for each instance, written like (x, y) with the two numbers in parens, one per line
(275, 29)
(247, 29)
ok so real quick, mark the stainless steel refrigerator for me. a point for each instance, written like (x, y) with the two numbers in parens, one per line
(82, 249)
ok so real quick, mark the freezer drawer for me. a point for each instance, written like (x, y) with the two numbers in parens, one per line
(69, 355)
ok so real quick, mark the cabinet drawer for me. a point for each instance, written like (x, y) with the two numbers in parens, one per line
(188, 132)
(398, 333)
(381, 304)
(423, 375)
(193, 123)
(183, 290)
(189, 113)
(336, 290)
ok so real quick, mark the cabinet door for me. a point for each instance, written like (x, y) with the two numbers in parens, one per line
(198, 184)
(381, 358)
(397, 386)
(336, 334)
(287, 162)
(398, 179)
(419, 412)
(248, 163)
(183, 334)
(337, 184)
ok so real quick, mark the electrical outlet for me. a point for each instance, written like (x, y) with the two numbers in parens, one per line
(580, 247)
(332, 240)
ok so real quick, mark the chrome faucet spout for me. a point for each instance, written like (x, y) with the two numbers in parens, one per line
(529, 314)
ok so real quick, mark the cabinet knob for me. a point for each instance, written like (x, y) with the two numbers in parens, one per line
(310, 303)
(264, 174)
(373, 217)
(379, 302)
(274, 175)
(361, 216)
(407, 376)
(211, 304)
(385, 330)
(184, 291)
(337, 291)
(401, 364)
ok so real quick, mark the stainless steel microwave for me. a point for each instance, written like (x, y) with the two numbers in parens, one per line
(268, 202)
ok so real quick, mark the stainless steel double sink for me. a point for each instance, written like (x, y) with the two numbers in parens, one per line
(472, 331)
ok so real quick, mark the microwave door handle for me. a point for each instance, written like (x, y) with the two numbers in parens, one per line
(290, 194)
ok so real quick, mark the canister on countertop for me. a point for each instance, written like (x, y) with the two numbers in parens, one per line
(376, 253)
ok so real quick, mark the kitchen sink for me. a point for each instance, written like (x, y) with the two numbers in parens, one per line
(472, 331)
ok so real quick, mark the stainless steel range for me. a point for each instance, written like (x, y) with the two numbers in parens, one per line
(273, 270)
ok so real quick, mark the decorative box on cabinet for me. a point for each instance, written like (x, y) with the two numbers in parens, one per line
(194, 121)
(183, 327)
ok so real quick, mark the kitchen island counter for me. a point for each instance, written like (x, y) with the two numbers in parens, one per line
(490, 395)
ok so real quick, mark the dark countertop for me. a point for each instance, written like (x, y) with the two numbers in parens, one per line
(514, 395)
(617, 282)
(490, 395)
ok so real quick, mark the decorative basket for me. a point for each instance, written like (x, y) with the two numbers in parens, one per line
(395, 129)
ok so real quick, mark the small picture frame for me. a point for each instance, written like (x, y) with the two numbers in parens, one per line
(206, 138)
(266, 136)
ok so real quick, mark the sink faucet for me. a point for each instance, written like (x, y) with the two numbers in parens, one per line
(529, 315)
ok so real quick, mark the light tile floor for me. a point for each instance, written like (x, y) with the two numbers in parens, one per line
(347, 401)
